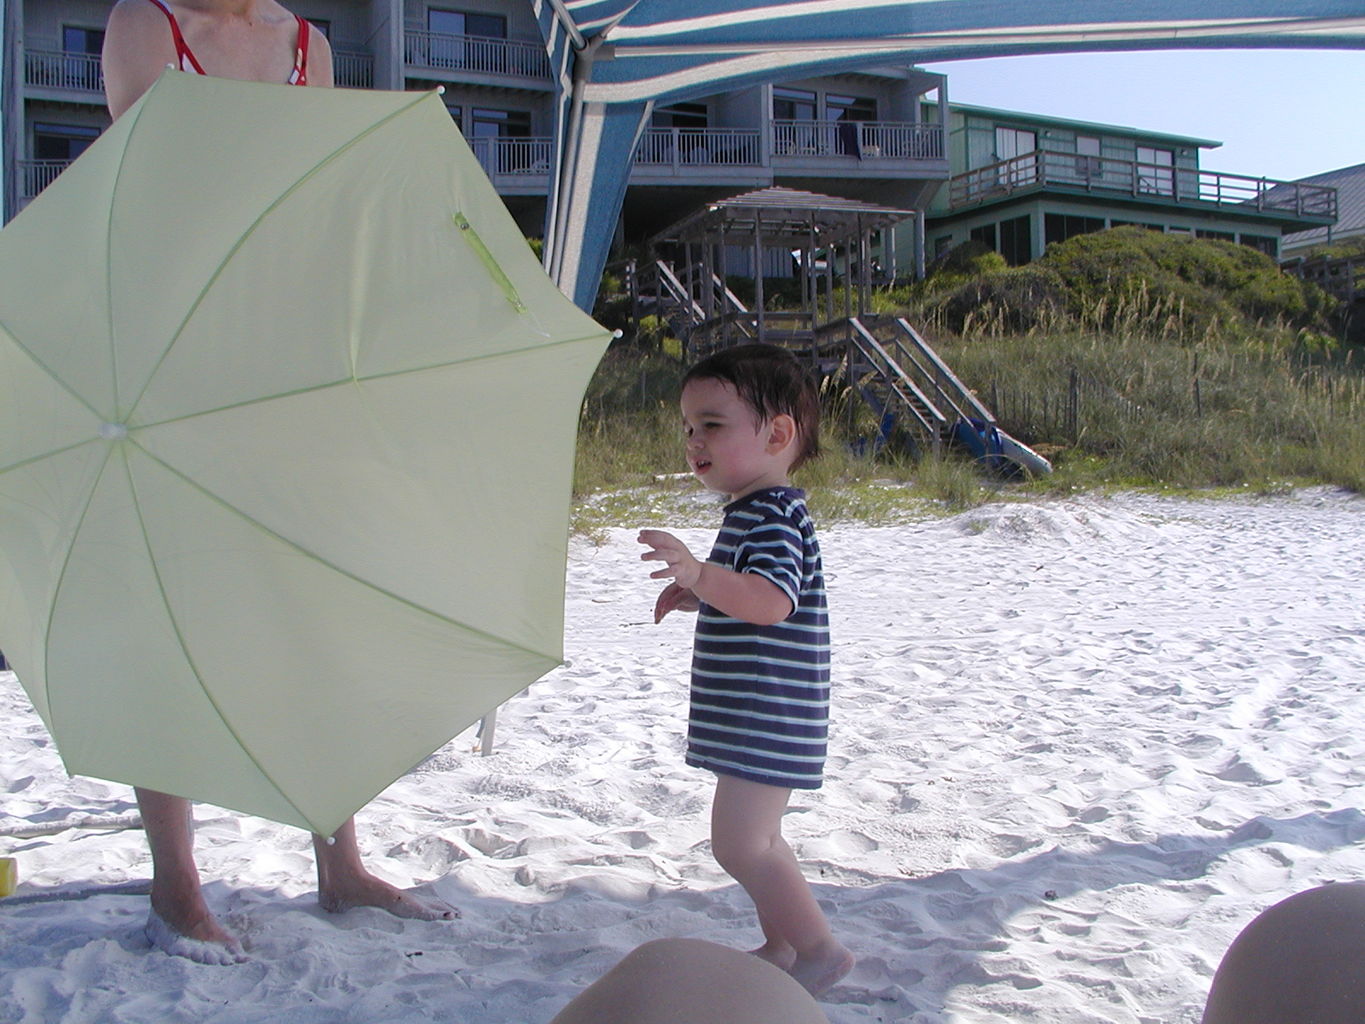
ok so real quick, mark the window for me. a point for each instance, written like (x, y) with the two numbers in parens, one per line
(500, 134)
(467, 23)
(1088, 164)
(1155, 171)
(1016, 240)
(985, 234)
(793, 104)
(61, 141)
(1014, 148)
(1220, 236)
(323, 26)
(1136, 224)
(81, 49)
(680, 115)
(1268, 244)
(1058, 227)
(850, 108)
(942, 244)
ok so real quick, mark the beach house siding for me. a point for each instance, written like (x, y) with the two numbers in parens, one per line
(1019, 182)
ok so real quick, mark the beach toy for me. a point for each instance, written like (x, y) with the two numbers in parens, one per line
(287, 421)
(9, 876)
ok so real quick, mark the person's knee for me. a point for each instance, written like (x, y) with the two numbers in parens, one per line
(736, 854)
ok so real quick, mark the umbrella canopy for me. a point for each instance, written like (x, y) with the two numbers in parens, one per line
(616, 58)
(286, 446)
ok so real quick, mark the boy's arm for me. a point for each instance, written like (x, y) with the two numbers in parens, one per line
(746, 596)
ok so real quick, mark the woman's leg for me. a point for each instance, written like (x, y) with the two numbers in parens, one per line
(344, 882)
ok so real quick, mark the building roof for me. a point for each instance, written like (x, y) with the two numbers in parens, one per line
(1092, 126)
(785, 215)
(1350, 185)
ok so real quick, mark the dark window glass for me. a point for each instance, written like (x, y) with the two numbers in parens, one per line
(82, 40)
(793, 104)
(1016, 240)
(985, 234)
(1058, 227)
(61, 141)
(1268, 244)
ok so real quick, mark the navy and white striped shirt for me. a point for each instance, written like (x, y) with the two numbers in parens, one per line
(760, 694)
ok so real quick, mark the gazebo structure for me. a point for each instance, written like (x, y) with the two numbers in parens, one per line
(827, 243)
(824, 241)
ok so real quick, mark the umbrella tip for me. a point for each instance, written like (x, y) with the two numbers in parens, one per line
(617, 334)
(331, 840)
(440, 90)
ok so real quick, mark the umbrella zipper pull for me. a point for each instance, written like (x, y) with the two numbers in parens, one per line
(471, 236)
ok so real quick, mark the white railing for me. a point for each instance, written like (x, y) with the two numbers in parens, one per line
(443, 51)
(57, 69)
(353, 69)
(36, 175)
(678, 147)
(518, 158)
(865, 140)
(1142, 180)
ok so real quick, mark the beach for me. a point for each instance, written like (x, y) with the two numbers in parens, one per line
(1076, 745)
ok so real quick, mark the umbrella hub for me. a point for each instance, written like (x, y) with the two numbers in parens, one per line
(113, 431)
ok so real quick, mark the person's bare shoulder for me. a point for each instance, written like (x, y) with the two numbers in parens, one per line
(320, 71)
(137, 48)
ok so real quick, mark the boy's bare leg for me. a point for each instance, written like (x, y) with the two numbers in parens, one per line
(775, 949)
(746, 838)
(180, 923)
(344, 882)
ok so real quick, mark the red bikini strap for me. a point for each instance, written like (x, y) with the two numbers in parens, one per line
(182, 50)
(300, 73)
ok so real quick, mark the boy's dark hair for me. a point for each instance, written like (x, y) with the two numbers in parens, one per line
(770, 381)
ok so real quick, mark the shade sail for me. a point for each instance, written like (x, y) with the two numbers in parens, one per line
(286, 446)
(616, 58)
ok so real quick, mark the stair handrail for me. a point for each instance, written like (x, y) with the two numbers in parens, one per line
(677, 292)
(728, 298)
(868, 344)
(958, 393)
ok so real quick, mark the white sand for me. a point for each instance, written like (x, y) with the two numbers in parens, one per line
(1076, 747)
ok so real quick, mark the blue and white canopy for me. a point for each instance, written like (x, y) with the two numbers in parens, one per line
(614, 59)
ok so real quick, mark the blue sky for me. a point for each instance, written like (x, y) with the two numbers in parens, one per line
(1279, 113)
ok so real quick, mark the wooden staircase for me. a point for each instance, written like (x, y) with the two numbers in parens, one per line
(915, 396)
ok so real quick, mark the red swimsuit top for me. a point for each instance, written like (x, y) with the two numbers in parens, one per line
(188, 61)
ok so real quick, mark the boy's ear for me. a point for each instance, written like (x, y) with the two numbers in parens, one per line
(781, 433)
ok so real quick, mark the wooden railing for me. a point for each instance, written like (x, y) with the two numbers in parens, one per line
(865, 140)
(57, 69)
(678, 147)
(1340, 276)
(443, 51)
(1142, 180)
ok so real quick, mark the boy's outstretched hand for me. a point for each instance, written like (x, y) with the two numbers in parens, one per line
(681, 565)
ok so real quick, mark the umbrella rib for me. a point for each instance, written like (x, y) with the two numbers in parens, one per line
(257, 524)
(251, 229)
(47, 370)
(57, 589)
(344, 381)
(189, 658)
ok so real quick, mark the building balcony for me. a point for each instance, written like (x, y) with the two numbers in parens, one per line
(861, 140)
(61, 72)
(36, 175)
(1155, 184)
(790, 148)
(444, 54)
(515, 166)
(353, 69)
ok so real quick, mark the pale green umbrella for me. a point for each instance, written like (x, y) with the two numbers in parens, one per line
(286, 446)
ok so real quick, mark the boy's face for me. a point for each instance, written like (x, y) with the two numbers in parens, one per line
(728, 448)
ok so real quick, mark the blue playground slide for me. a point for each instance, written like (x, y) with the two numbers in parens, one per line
(1001, 453)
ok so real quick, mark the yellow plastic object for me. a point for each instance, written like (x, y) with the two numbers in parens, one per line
(287, 423)
(9, 876)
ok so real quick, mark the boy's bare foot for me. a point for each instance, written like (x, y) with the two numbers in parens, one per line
(822, 968)
(780, 954)
(204, 940)
(369, 891)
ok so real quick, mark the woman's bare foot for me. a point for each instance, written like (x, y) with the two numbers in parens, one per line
(821, 969)
(781, 955)
(205, 941)
(365, 890)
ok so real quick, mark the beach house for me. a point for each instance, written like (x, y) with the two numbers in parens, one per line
(888, 136)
